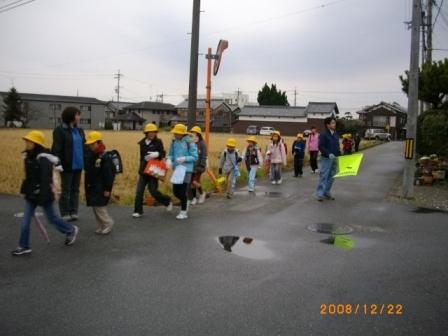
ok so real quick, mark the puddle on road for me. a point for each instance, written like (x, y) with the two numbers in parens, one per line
(245, 247)
(422, 210)
(276, 194)
(340, 241)
(333, 229)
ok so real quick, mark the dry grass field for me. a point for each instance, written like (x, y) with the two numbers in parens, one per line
(11, 166)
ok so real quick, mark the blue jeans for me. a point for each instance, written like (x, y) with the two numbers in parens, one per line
(28, 214)
(327, 171)
(276, 171)
(252, 177)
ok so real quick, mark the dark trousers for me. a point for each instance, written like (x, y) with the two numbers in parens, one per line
(313, 160)
(69, 201)
(298, 165)
(153, 188)
(356, 146)
(180, 191)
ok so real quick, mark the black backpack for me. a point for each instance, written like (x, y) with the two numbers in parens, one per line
(117, 163)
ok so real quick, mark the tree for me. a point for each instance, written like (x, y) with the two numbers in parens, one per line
(270, 96)
(351, 126)
(12, 108)
(433, 83)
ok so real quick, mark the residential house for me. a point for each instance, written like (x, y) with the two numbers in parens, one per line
(386, 116)
(44, 111)
(222, 118)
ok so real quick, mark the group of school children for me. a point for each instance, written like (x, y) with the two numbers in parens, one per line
(72, 152)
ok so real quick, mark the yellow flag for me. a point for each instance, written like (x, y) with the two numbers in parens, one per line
(348, 165)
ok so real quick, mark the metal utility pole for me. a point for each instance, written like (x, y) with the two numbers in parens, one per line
(194, 54)
(411, 125)
(117, 89)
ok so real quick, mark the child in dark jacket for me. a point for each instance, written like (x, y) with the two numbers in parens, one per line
(254, 160)
(99, 180)
(38, 191)
(298, 150)
(195, 193)
(151, 148)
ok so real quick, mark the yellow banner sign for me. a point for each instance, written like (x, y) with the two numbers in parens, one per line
(348, 165)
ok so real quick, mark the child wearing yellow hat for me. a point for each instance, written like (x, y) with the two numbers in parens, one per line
(183, 154)
(37, 190)
(277, 155)
(195, 193)
(99, 180)
(254, 160)
(298, 150)
(229, 164)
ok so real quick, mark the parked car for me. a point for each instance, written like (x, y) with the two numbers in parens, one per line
(266, 130)
(377, 134)
(252, 130)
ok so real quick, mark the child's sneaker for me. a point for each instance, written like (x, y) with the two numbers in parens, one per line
(21, 251)
(273, 182)
(280, 181)
(182, 215)
(106, 230)
(70, 240)
(169, 208)
(67, 218)
(74, 217)
(202, 198)
(194, 201)
(137, 215)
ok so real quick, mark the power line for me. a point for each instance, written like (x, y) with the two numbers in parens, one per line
(10, 4)
(438, 12)
(18, 5)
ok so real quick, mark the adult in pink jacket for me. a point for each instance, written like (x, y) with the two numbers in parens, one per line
(313, 149)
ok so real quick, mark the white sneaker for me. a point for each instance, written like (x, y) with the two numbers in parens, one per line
(169, 208)
(274, 182)
(182, 215)
(280, 181)
(194, 201)
(202, 198)
(137, 215)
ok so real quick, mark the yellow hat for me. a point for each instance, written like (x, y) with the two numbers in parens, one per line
(345, 136)
(36, 137)
(252, 139)
(231, 142)
(300, 135)
(349, 135)
(196, 129)
(151, 128)
(179, 129)
(94, 137)
(275, 133)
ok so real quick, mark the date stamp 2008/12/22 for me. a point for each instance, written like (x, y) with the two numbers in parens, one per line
(390, 309)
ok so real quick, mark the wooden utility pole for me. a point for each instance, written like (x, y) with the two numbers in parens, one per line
(117, 89)
(411, 125)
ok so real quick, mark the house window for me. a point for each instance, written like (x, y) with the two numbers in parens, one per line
(85, 121)
(85, 108)
(380, 121)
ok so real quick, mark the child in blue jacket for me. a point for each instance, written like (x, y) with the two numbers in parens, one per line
(298, 150)
(183, 151)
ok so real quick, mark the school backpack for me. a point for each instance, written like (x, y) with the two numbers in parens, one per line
(117, 163)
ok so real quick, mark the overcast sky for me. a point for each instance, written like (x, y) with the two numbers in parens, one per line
(349, 51)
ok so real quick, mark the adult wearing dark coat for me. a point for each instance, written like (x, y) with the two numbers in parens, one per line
(151, 148)
(68, 146)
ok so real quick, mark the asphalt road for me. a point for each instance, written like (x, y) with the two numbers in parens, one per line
(159, 276)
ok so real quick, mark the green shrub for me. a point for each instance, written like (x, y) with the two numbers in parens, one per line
(432, 133)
